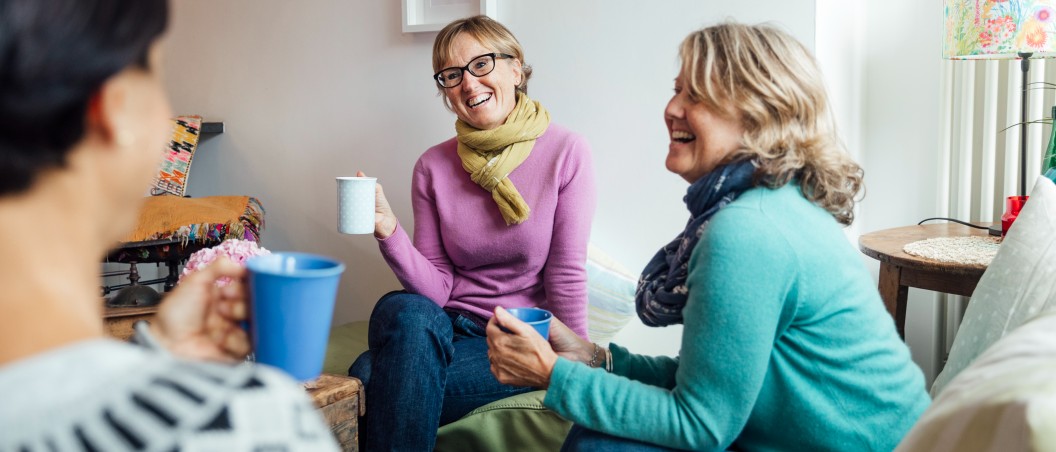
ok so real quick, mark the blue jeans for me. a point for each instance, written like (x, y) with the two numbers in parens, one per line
(426, 367)
(580, 439)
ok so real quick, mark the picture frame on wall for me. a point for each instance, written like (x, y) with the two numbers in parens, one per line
(432, 15)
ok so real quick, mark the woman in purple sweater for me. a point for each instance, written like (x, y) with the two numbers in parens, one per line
(502, 216)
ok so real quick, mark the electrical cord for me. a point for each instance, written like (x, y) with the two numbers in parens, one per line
(991, 230)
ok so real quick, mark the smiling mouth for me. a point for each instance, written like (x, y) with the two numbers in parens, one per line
(475, 101)
(682, 136)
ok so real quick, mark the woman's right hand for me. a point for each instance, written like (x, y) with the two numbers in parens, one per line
(568, 344)
(384, 220)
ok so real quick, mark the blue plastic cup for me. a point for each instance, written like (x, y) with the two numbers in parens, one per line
(537, 318)
(291, 305)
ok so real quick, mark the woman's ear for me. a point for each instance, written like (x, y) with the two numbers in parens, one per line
(107, 113)
(518, 69)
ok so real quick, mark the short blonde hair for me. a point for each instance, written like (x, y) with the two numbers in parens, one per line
(487, 31)
(766, 79)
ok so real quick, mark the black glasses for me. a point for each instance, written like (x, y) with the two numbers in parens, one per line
(479, 67)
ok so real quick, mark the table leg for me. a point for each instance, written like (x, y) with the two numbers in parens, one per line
(894, 295)
(173, 276)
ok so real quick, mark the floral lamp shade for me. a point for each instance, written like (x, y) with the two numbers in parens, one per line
(997, 29)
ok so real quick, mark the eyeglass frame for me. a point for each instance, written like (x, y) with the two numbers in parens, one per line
(495, 56)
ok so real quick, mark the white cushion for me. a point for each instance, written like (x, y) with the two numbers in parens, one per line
(610, 296)
(1018, 284)
(1004, 401)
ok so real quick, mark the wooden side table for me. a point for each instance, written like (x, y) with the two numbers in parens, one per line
(900, 271)
(340, 399)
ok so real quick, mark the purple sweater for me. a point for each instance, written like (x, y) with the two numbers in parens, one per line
(464, 256)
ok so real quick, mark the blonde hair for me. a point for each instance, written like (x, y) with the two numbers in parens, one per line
(769, 82)
(489, 33)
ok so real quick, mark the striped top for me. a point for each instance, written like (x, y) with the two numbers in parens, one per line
(103, 395)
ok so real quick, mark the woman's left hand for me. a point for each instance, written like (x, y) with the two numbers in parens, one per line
(199, 320)
(521, 357)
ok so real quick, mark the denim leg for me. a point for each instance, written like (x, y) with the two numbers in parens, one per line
(404, 373)
(470, 383)
(580, 439)
(360, 368)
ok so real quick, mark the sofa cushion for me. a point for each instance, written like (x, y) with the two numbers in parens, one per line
(610, 296)
(1004, 401)
(1018, 284)
(518, 423)
(346, 343)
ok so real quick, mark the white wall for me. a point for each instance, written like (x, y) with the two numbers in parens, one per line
(313, 90)
(902, 67)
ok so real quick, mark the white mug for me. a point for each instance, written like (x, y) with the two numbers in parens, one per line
(355, 204)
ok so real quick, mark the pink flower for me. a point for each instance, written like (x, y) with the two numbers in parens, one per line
(986, 39)
(234, 249)
(1034, 35)
(1043, 13)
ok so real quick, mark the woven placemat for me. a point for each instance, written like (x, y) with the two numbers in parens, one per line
(973, 250)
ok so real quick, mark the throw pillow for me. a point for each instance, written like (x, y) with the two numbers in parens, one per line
(610, 295)
(1018, 284)
(1004, 401)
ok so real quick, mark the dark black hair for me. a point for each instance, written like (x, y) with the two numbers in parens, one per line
(54, 55)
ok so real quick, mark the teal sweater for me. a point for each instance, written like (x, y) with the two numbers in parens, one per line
(786, 346)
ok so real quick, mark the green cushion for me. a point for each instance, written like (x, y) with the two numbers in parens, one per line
(518, 423)
(515, 423)
(347, 342)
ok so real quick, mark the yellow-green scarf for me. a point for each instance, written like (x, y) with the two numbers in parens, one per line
(489, 156)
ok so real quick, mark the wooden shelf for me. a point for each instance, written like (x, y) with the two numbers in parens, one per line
(213, 127)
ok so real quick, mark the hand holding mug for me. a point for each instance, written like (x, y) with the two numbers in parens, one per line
(384, 219)
(520, 357)
(200, 320)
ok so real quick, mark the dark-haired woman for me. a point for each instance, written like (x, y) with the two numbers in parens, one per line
(82, 116)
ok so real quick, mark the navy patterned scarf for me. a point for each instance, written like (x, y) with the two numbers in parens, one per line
(662, 288)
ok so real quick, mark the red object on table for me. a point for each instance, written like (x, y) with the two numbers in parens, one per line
(1013, 205)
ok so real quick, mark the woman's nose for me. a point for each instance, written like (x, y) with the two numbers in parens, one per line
(469, 82)
(674, 108)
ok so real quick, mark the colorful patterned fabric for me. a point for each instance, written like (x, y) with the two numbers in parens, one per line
(213, 219)
(172, 175)
(999, 28)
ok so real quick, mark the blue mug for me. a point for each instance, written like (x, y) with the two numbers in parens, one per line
(536, 317)
(291, 305)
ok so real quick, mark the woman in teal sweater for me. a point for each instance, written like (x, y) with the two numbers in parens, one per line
(786, 344)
